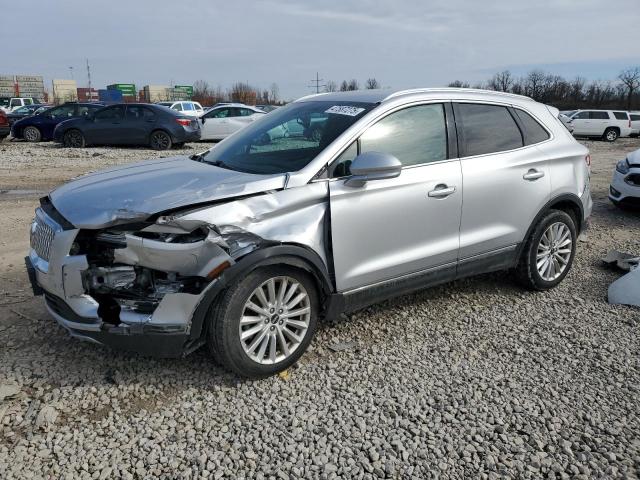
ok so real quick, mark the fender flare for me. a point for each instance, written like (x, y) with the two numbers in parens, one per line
(292, 255)
(566, 198)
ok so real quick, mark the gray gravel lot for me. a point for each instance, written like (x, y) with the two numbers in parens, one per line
(475, 379)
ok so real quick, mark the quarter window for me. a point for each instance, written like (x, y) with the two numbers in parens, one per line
(621, 115)
(414, 135)
(532, 130)
(488, 129)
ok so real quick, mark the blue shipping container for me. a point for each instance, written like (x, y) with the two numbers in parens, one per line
(110, 95)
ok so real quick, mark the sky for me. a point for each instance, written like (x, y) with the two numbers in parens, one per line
(402, 43)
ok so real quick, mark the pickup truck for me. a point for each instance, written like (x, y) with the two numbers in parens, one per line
(9, 104)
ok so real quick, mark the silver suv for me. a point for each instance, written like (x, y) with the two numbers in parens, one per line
(246, 246)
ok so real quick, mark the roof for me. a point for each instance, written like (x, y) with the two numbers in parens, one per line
(382, 95)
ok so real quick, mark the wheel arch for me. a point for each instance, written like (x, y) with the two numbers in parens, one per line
(568, 203)
(289, 255)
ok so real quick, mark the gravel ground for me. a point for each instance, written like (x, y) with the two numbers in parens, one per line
(475, 379)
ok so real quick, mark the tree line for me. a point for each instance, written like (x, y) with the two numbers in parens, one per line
(622, 93)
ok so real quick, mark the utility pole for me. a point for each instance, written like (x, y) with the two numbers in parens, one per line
(89, 76)
(316, 83)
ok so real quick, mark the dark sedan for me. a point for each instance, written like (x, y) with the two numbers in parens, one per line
(26, 111)
(40, 126)
(130, 124)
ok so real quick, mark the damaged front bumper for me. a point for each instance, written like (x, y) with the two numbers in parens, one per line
(61, 277)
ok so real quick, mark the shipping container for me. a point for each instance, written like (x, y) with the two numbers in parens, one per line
(110, 95)
(87, 95)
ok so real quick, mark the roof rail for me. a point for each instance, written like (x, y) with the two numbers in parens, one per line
(453, 89)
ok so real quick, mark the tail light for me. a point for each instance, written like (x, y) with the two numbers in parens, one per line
(629, 123)
(185, 122)
(587, 160)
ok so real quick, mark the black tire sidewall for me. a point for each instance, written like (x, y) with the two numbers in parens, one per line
(225, 317)
(607, 131)
(160, 132)
(66, 143)
(32, 128)
(552, 217)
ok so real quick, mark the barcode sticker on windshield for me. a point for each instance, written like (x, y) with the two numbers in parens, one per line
(345, 110)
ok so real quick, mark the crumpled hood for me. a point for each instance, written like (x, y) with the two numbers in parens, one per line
(136, 191)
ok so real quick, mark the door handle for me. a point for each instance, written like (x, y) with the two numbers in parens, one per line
(441, 191)
(533, 174)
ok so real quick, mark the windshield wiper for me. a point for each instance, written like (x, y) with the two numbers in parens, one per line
(198, 157)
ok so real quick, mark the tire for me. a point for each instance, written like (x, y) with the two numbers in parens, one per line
(160, 140)
(610, 135)
(251, 356)
(32, 134)
(73, 139)
(534, 273)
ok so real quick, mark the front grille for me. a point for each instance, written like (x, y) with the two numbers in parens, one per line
(42, 237)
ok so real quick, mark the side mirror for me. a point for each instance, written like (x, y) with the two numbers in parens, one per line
(373, 166)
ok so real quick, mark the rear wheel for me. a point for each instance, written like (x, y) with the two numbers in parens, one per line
(160, 140)
(549, 251)
(73, 139)
(264, 323)
(610, 135)
(32, 134)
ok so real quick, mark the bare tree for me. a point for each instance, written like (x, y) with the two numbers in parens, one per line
(331, 86)
(202, 92)
(371, 84)
(501, 81)
(459, 84)
(274, 93)
(243, 93)
(344, 86)
(630, 78)
(353, 84)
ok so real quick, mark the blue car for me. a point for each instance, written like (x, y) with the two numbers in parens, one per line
(40, 127)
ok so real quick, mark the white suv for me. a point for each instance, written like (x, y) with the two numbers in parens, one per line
(635, 123)
(193, 109)
(605, 124)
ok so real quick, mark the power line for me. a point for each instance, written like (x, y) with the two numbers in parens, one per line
(316, 83)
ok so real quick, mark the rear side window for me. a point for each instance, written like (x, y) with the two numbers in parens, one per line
(599, 115)
(533, 132)
(488, 129)
(414, 135)
(188, 106)
(621, 115)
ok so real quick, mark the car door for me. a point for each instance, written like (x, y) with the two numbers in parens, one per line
(53, 117)
(581, 123)
(391, 228)
(505, 182)
(106, 126)
(137, 125)
(240, 118)
(599, 121)
(214, 123)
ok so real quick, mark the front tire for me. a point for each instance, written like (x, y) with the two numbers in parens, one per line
(264, 323)
(73, 139)
(32, 134)
(549, 251)
(610, 135)
(160, 140)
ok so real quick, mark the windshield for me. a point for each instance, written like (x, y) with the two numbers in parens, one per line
(288, 138)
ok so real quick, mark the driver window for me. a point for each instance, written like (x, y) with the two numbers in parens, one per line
(341, 166)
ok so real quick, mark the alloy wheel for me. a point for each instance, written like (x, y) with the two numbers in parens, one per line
(554, 251)
(160, 141)
(31, 134)
(275, 320)
(74, 139)
(611, 135)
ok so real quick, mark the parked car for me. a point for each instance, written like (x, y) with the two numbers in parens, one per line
(129, 124)
(566, 121)
(5, 128)
(625, 184)
(193, 109)
(40, 127)
(246, 246)
(635, 123)
(222, 121)
(26, 111)
(267, 108)
(8, 105)
(606, 124)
